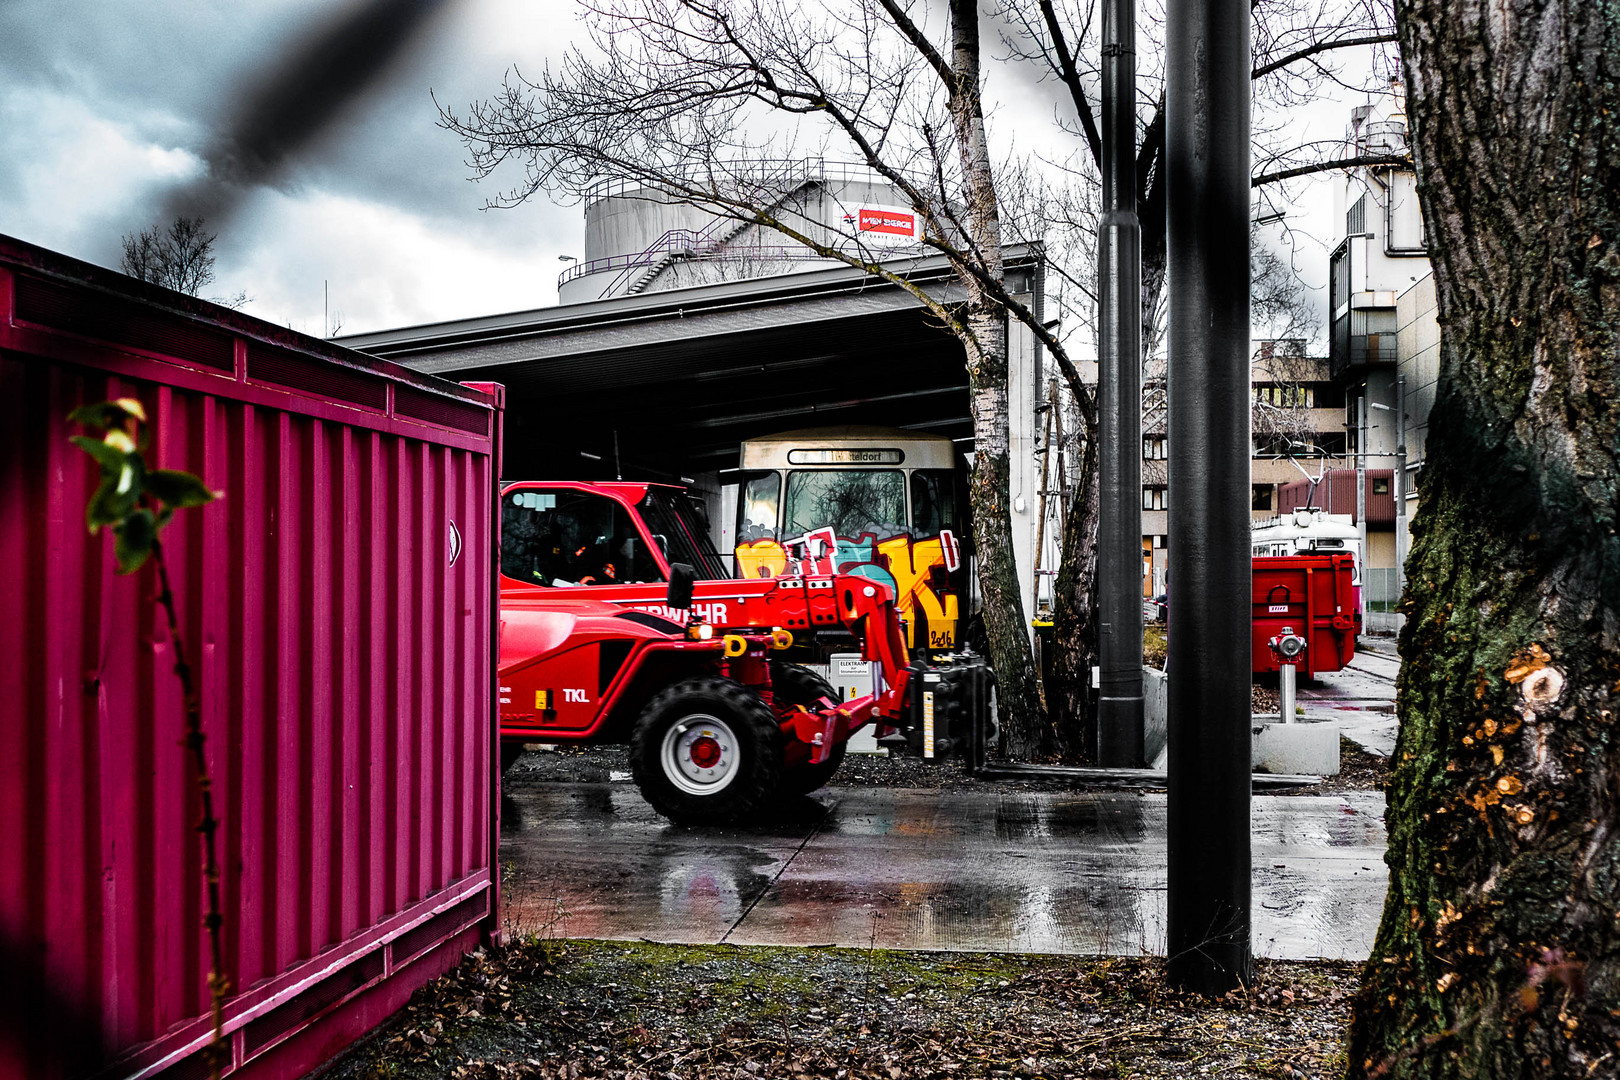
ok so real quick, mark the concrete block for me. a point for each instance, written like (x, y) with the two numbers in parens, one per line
(1155, 716)
(1297, 748)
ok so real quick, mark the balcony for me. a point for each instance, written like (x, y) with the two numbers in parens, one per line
(1355, 354)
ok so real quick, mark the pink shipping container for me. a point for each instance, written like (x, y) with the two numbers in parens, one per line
(338, 608)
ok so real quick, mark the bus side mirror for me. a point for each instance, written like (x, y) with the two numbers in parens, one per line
(681, 577)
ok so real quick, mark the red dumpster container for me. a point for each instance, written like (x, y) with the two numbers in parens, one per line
(1314, 594)
(338, 606)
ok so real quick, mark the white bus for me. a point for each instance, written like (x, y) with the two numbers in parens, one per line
(890, 502)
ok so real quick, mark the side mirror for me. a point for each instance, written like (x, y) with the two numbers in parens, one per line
(681, 577)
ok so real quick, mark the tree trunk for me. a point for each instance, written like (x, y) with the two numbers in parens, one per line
(1070, 701)
(989, 490)
(1499, 951)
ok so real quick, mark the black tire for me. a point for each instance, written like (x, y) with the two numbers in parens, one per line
(510, 752)
(680, 727)
(794, 685)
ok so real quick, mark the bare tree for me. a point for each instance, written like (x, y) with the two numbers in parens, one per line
(670, 99)
(1499, 951)
(180, 258)
(1298, 45)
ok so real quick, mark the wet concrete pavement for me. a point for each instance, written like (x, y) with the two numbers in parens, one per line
(994, 869)
(1360, 698)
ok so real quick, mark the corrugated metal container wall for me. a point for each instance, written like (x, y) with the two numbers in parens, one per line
(1337, 495)
(337, 606)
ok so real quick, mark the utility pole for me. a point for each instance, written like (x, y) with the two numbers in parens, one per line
(1207, 172)
(1119, 377)
(1399, 487)
(1361, 484)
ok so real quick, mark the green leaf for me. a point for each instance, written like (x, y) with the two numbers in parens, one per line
(178, 489)
(101, 414)
(135, 535)
(110, 458)
(118, 494)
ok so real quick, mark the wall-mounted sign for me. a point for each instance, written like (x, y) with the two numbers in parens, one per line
(888, 225)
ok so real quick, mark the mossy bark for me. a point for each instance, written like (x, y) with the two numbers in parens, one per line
(1499, 951)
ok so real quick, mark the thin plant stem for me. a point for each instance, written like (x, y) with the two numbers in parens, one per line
(208, 825)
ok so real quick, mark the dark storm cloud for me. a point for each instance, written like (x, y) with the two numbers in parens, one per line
(292, 101)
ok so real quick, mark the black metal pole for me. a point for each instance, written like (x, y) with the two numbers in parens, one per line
(1119, 378)
(1207, 189)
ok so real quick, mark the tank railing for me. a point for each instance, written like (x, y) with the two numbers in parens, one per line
(785, 175)
(678, 242)
(774, 170)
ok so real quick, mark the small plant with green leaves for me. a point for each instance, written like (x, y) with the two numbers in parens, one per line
(136, 502)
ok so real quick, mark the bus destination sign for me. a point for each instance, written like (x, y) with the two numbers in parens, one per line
(846, 456)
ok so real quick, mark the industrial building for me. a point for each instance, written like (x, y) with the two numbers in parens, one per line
(682, 334)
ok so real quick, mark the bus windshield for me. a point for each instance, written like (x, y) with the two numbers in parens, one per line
(848, 501)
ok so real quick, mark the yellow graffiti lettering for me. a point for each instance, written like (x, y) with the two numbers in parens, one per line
(762, 558)
(910, 564)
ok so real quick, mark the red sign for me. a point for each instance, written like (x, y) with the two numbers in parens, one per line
(888, 222)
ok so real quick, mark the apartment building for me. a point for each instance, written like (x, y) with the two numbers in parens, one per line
(1384, 339)
(1298, 430)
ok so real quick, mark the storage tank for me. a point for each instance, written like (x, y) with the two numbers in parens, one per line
(641, 239)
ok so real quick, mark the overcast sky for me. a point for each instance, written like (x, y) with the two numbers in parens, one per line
(110, 108)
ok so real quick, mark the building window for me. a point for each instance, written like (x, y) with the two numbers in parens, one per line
(1331, 444)
(1286, 395)
(1327, 395)
(1261, 497)
(1380, 485)
(1153, 498)
(1153, 447)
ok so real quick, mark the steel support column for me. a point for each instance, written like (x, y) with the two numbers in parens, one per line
(1119, 390)
(1207, 187)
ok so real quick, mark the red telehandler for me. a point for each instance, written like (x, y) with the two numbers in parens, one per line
(618, 625)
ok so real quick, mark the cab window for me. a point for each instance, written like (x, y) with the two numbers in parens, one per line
(756, 509)
(568, 538)
(933, 501)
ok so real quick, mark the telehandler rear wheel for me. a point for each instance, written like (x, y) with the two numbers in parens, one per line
(794, 685)
(706, 750)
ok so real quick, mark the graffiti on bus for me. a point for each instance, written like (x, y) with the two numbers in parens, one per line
(917, 571)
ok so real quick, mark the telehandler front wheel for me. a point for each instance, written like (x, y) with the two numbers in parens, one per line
(705, 751)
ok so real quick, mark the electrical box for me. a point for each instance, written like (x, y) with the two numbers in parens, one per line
(852, 678)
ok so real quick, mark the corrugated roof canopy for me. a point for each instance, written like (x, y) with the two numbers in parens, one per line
(684, 376)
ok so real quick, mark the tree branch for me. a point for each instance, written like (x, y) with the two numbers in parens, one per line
(1070, 75)
(1396, 160)
(1321, 47)
(920, 42)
